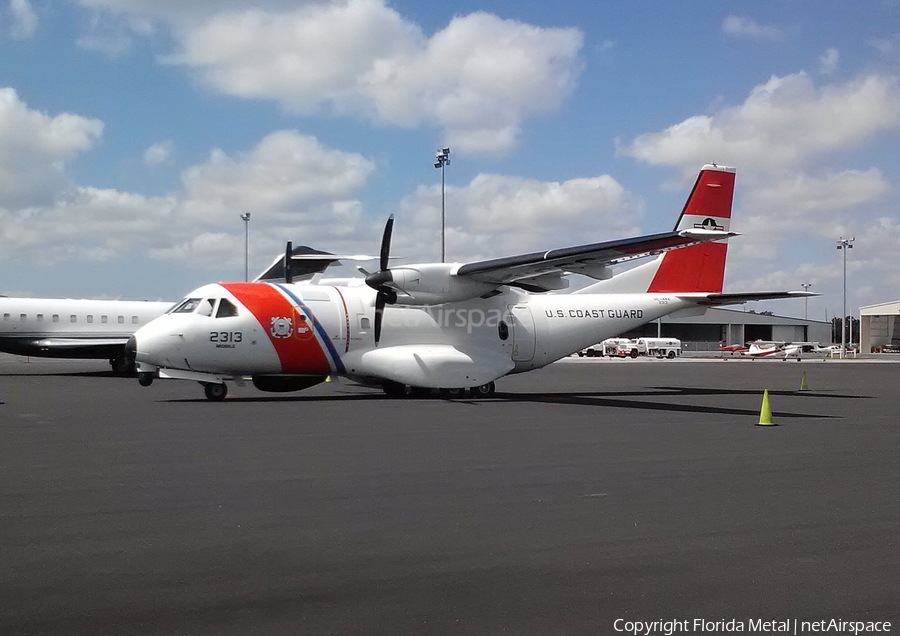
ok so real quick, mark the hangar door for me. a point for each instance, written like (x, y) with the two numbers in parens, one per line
(789, 333)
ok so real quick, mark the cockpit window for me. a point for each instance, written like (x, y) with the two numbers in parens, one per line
(226, 309)
(186, 306)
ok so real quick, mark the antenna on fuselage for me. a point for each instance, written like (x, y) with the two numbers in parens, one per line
(288, 274)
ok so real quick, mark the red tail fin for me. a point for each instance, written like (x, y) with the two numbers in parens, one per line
(700, 268)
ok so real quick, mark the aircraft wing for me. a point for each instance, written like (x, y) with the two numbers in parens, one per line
(78, 343)
(540, 271)
(306, 262)
(714, 300)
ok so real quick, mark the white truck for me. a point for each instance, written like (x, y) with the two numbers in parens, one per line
(608, 347)
(659, 347)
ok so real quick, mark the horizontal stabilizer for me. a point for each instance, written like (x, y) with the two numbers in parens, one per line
(737, 298)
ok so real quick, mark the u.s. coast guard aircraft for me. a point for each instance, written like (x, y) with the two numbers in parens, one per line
(451, 326)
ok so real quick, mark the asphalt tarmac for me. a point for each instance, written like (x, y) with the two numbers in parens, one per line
(583, 493)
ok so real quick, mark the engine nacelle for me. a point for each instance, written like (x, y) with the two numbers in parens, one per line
(434, 284)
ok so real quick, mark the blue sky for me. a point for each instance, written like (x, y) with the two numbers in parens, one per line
(133, 134)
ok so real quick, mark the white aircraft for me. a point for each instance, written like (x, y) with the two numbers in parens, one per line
(99, 329)
(448, 326)
(763, 349)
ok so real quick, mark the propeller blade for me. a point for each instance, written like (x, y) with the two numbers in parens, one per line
(288, 273)
(386, 243)
(379, 311)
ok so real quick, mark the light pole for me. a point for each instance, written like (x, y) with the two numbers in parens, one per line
(806, 287)
(246, 219)
(442, 158)
(844, 244)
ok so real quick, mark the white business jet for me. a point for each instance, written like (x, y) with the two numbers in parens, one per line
(451, 326)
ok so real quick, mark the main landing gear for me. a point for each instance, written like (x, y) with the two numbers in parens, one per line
(215, 392)
(398, 390)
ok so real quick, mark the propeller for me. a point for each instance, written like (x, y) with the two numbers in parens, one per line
(379, 281)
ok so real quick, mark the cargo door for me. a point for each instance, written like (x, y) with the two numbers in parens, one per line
(522, 324)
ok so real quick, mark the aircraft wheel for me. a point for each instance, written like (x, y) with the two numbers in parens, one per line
(452, 394)
(145, 379)
(484, 390)
(215, 392)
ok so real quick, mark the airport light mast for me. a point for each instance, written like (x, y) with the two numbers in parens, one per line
(844, 244)
(246, 219)
(806, 287)
(442, 158)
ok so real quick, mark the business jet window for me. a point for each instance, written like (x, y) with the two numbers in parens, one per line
(121, 320)
(226, 309)
(90, 318)
(134, 320)
(55, 317)
(104, 319)
(73, 318)
(186, 306)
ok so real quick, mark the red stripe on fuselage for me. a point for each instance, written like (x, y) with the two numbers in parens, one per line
(299, 352)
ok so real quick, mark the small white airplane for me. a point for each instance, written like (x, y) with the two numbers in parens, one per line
(99, 329)
(448, 326)
(763, 349)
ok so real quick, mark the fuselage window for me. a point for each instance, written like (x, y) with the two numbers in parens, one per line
(186, 306)
(365, 323)
(90, 318)
(104, 319)
(134, 320)
(40, 317)
(503, 330)
(226, 309)
(73, 318)
(121, 320)
(55, 317)
(6, 316)
(23, 317)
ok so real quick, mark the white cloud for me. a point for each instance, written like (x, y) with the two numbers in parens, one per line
(106, 34)
(34, 148)
(477, 80)
(159, 152)
(829, 61)
(296, 188)
(497, 215)
(785, 122)
(738, 26)
(24, 20)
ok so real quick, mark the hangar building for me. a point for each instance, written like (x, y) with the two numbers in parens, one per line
(733, 326)
(879, 329)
